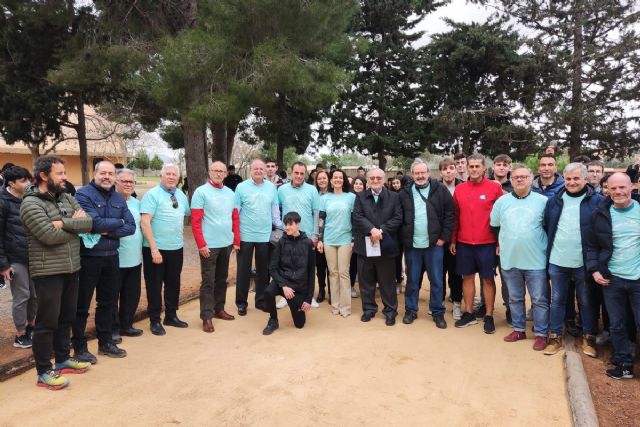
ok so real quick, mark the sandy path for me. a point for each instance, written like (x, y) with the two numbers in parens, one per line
(333, 372)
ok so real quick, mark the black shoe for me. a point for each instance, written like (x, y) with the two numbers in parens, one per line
(440, 322)
(509, 320)
(85, 356)
(242, 311)
(390, 320)
(409, 317)
(480, 312)
(175, 322)
(111, 350)
(489, 326)
(467, 319)
(367, 316)
(29, 331)
(621, 372)
(272, 325)
(157, 329)
(131, 332)
(320, 296)
(116, 338)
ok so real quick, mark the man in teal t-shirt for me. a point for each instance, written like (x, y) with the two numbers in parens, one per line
(517, 219)
(162, 211)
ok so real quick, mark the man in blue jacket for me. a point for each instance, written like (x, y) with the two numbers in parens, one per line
(548, 181)
(99, 260)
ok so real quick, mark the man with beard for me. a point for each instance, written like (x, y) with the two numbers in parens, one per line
(52, 220)
(99, 260)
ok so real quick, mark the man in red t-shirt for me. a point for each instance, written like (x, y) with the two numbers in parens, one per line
(473, 242)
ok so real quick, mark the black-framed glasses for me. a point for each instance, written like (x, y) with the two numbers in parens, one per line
(174, 201)
(62, 209)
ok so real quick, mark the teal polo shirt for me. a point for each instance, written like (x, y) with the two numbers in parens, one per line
(304, 200)
(167, 222)
(255, 202)
(337, 224)
(218, 205)
(625, 223)
(130, 250)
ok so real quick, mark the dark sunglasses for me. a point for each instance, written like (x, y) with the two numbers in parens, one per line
(174, 201)
(62, 209)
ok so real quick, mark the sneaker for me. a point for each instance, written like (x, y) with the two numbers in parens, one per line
(480, 312)
(515, 336)
(589, 346)
(489, 326)
(282, 303)
(85, 356)
(272, 325)
(603, 338)
(621, 372)
(457, 311)
(314, 303)
(51, 380)
(540, 343)
(530, 315)
(554, 344)
(72, 366)
(22, 341)
(467, 319)
(354, 294)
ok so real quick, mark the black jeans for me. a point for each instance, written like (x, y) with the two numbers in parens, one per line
(353, 269)
(455, 280)
(155, 275)
(379, 270)
(245, 256)
(128, 299)
(57, 299)
(322, 271)
(213, 289)
(299, 316)
(101, 273)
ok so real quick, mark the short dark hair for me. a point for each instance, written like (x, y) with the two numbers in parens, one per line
(502, 158)
(596, 163)
(445, 163)
(476, 156)
(269, 160)
(44, 164)
(15, 173)
(292, 217)
(360, 168)
(459, 156)
(298, 164)
(231, 167)
(320, 166)
(581, 159)
(6, 166)
(346, 187)
(546, 156)
(399, 173)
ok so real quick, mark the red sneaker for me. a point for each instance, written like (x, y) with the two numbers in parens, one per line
(515, 336)
(540, 343)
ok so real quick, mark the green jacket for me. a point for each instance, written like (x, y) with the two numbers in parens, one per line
(52, 251)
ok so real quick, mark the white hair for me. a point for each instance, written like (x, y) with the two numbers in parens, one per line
(167, 166)
(124, 170)
(576, 166)
(419, 161)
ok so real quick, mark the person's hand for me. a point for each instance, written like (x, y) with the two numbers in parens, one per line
(204, 252)
(440, 242)
(236, 248)
(156, 256)
(320, 247)
(497, 250)
(57, 224)
(288, 292)
(7, 273)
(376, 234)
(599, 279)
(79, 214)
(452, 248)
(305, 307)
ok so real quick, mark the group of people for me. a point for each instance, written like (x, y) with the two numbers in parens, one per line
(562, 237)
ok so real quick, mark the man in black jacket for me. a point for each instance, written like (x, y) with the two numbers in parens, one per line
(376, 217)
(292, 270)
(14, 254)
(429, 215)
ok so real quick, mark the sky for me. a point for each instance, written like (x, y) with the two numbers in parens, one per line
(457, 10)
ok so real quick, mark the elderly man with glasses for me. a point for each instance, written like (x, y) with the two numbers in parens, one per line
(162, 210)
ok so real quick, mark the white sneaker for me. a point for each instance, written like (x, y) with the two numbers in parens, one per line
(603, 338)
(457, 311)
(282, 303)
(354, 294)
(529, 315)
(314, 303)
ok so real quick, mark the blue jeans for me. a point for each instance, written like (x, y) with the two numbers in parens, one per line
(418, 260)
(536, 282)
(560, 279)
(616, 295)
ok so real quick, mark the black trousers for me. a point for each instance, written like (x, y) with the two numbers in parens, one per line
(102, 274)
(295, 303)
(57, 299)
(353, 269)
(155, 275)
(322, 271)
(245, 256)
(399, 259)
(213, 288)
(455, 280)
(128, 298)
(379, 270)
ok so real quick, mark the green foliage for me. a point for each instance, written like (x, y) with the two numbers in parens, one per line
(156, 163)
(172, 134)
(141, 161)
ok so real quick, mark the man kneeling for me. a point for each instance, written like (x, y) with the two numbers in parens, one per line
(292, 269)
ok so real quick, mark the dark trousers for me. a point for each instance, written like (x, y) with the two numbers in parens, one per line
(128, 298)
(379, 270)
(102, 274)
(245, 256)
(270, 293)
(57, 299)
(617, 295)
(322, 271)
(167, 272)
(399, 266)
(213, 288)
(455, 280)
(353, 269)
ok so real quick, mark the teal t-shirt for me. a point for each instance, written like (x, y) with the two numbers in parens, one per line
(420, 222)
(130, 251)
(218, 205)
(625, 259)
(567, 243)
(167, 222)
(523, 242)
(255, 202)
(303, 199)
(337, 224)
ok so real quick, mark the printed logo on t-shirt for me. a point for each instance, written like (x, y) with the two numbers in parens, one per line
(483, 197)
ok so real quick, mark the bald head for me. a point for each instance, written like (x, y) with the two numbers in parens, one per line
(217, 172)
(619, 185)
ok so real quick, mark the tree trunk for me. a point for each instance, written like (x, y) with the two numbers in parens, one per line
(219, 147)
(280, 152)
(382, 159)
(35, 152)
(232, 128)
(195, 152)
(577, 108)
(82, 139)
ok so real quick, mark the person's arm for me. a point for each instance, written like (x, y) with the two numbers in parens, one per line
(235, 227)
(394, 222)
(449, 217)
(275, 217)
(147, 232)
(35, 219)
(311, 278)
(100, 225)
(196, 227)
(77, 224)
(593, 254)
(4, 260)
(359, 220)
(274, 266)
(456, 225)
(128, 226)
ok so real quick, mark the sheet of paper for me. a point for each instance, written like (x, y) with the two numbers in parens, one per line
(373, 249)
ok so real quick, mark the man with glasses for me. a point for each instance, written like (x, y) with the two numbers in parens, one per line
(377, 216)
(216, 229)
(595, 172)
(99, 259)
(162, 211)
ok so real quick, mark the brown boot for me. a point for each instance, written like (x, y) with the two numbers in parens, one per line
(207, 325)
(223, 315)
